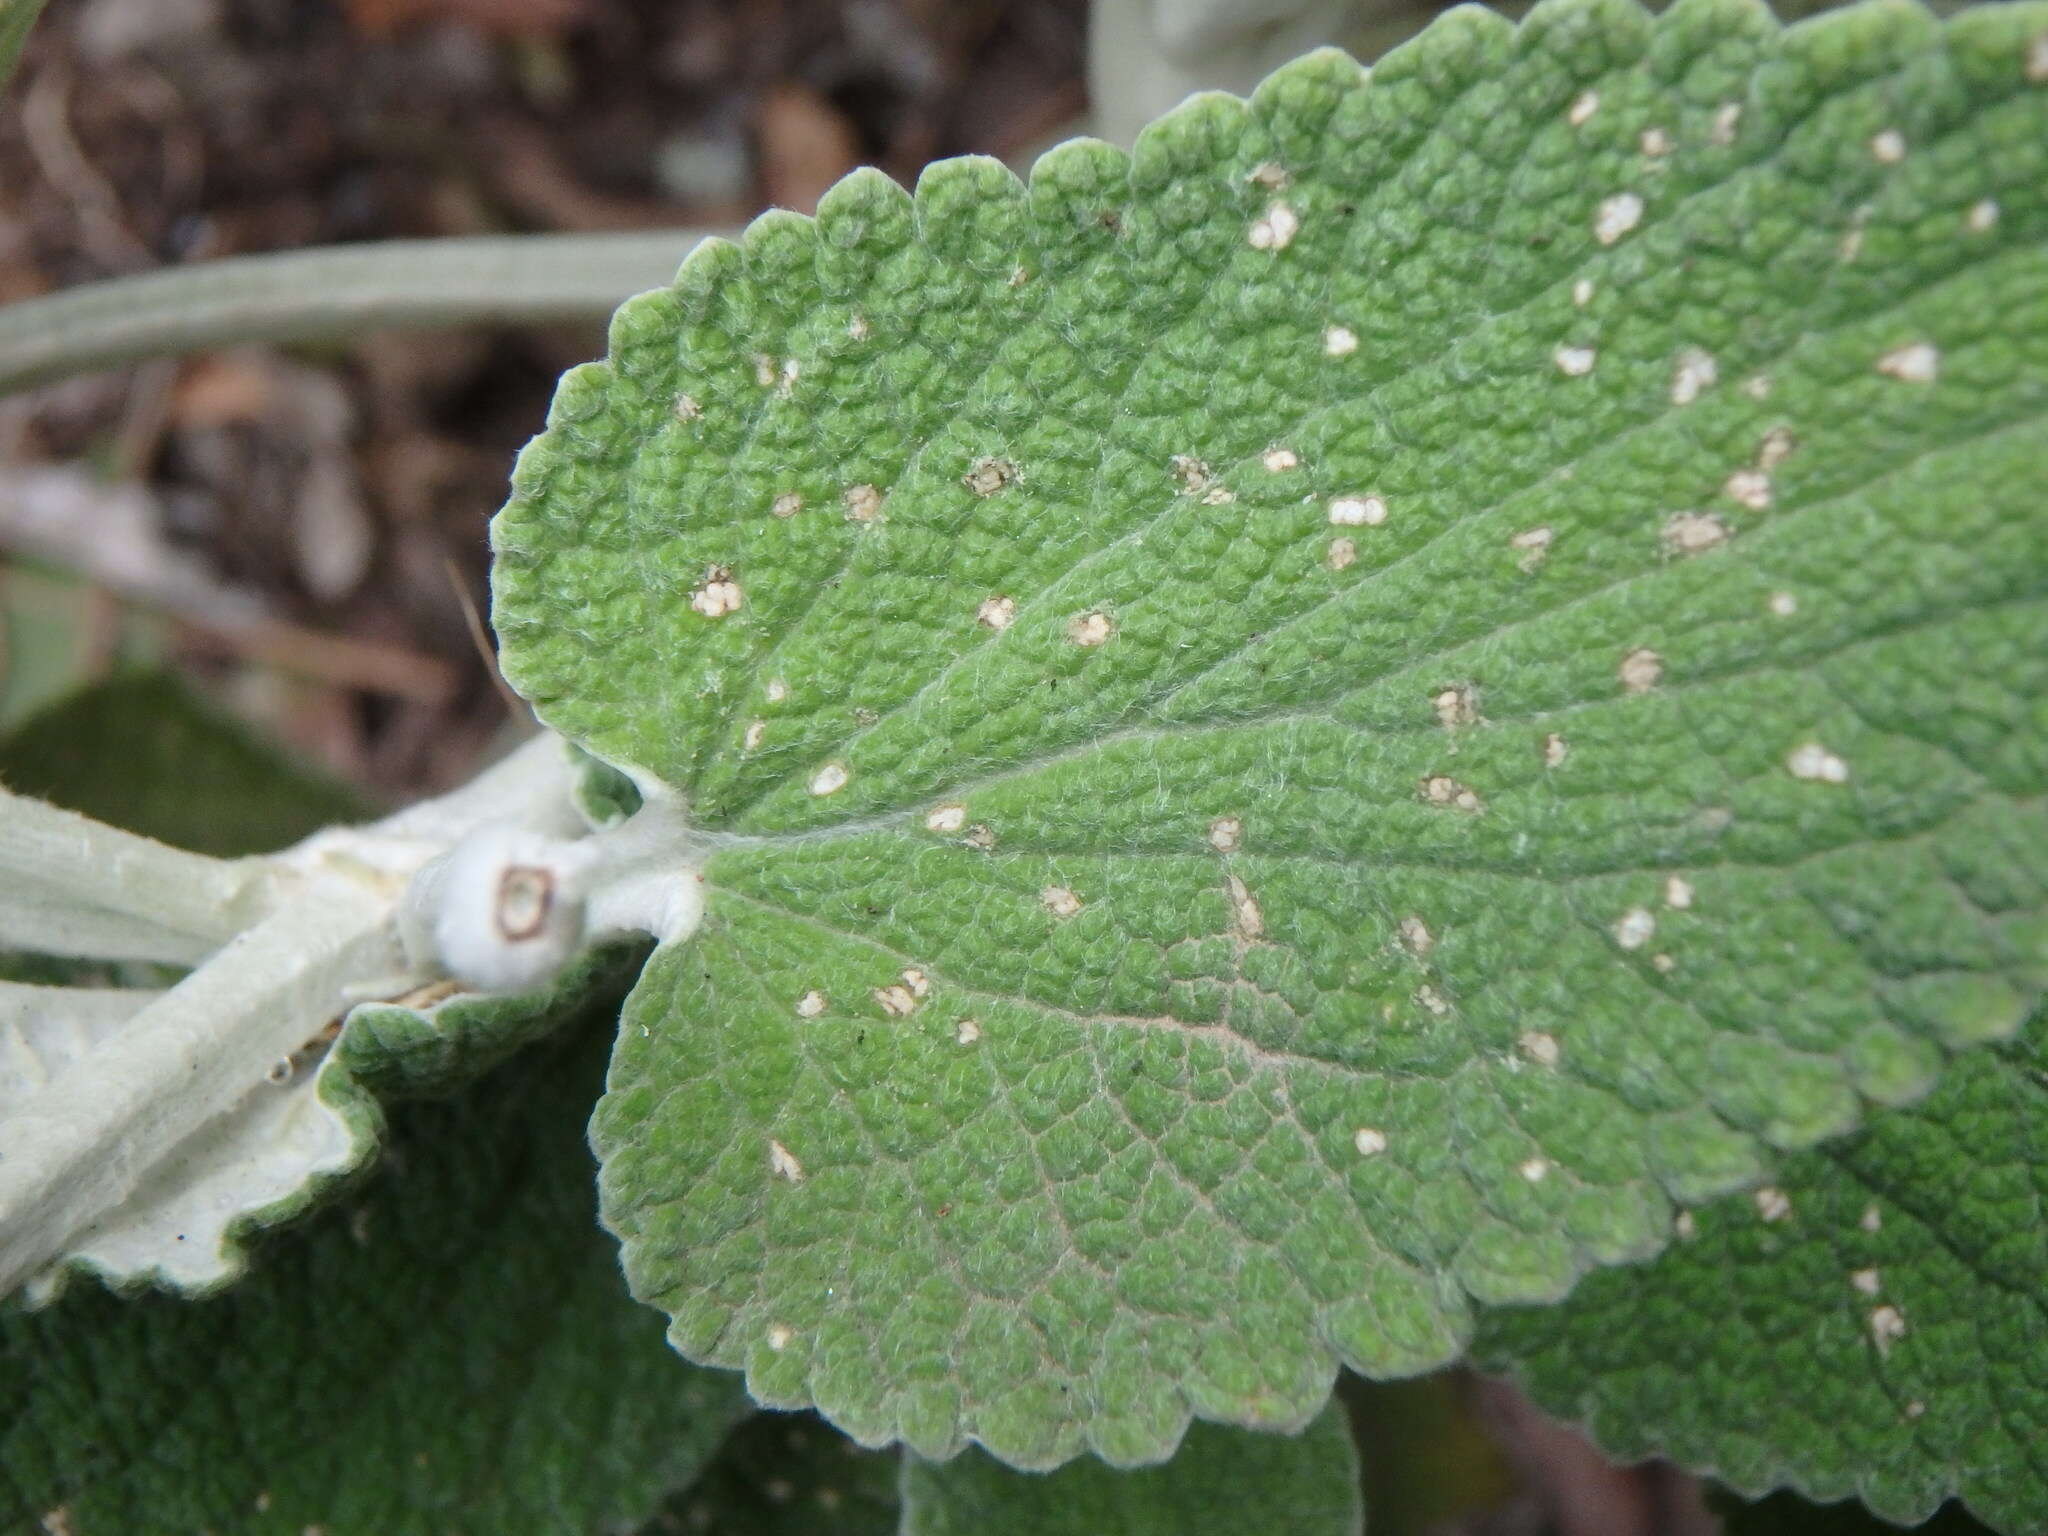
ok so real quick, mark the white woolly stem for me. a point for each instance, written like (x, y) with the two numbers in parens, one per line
(72, 886)
(75, 1150)
(507, 906)
(287, 943)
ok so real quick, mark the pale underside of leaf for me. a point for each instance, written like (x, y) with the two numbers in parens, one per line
(1309, 726)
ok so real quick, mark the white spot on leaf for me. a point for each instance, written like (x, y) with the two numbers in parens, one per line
(1640, 670)
(1340, 341)
(1276, 230)
(1357, 511)
(1060, 901)
(719, 595)
(1225, 833)
(1342, 552)
(776, 691)
(1582, 292)
(788, 504)
(1751, 487)
(896, 1000)
(1575, 362)
(1888, 147)
(1654, 142)
(1872, 1220)
(1868, 1281)
(811, 1004)
(1535, 1170)
(1816, 764)
(1685, 1226)
(757, 731)
(1251, 921)
(1693, 533)
(1583, 107)
(780, 1336)
(783, 1164)
(1678, 893)
(1091, 629)
(1416, 937)
(1534, 544)
(1917, 362)
(1370, 1142)
(1887, 1327)
(1277, 460)
(1617, 216)
(968, 1032)
(1635, 928)
(686, 408)
(946, 818)
(997, 613)
(1540, 1047)
(1775, 449)
(1555, 750)
(863, 503)
(1456, 706)
(830, 779)
(1727, 117)
(1784, 604)
(1441, 789)
(1694, 372)
(1983, 215)
(988, 475)
(1433, 1000)
(1772, 1203)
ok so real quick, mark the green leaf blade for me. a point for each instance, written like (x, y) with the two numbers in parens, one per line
(1888, 1288)
(1308, 726)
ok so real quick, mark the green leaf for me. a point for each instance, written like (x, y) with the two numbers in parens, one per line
(1308, 726)
(450, 1352)
(16, 17)
(1874, 1322)
(55, 630)
(784, 1474)
(204, 782)
(1305, 1484)
(437, 1040)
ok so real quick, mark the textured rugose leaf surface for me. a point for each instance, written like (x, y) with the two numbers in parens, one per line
(1889, 1288)
(1221, 1482)
(1310, 724)
(447, 1352)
